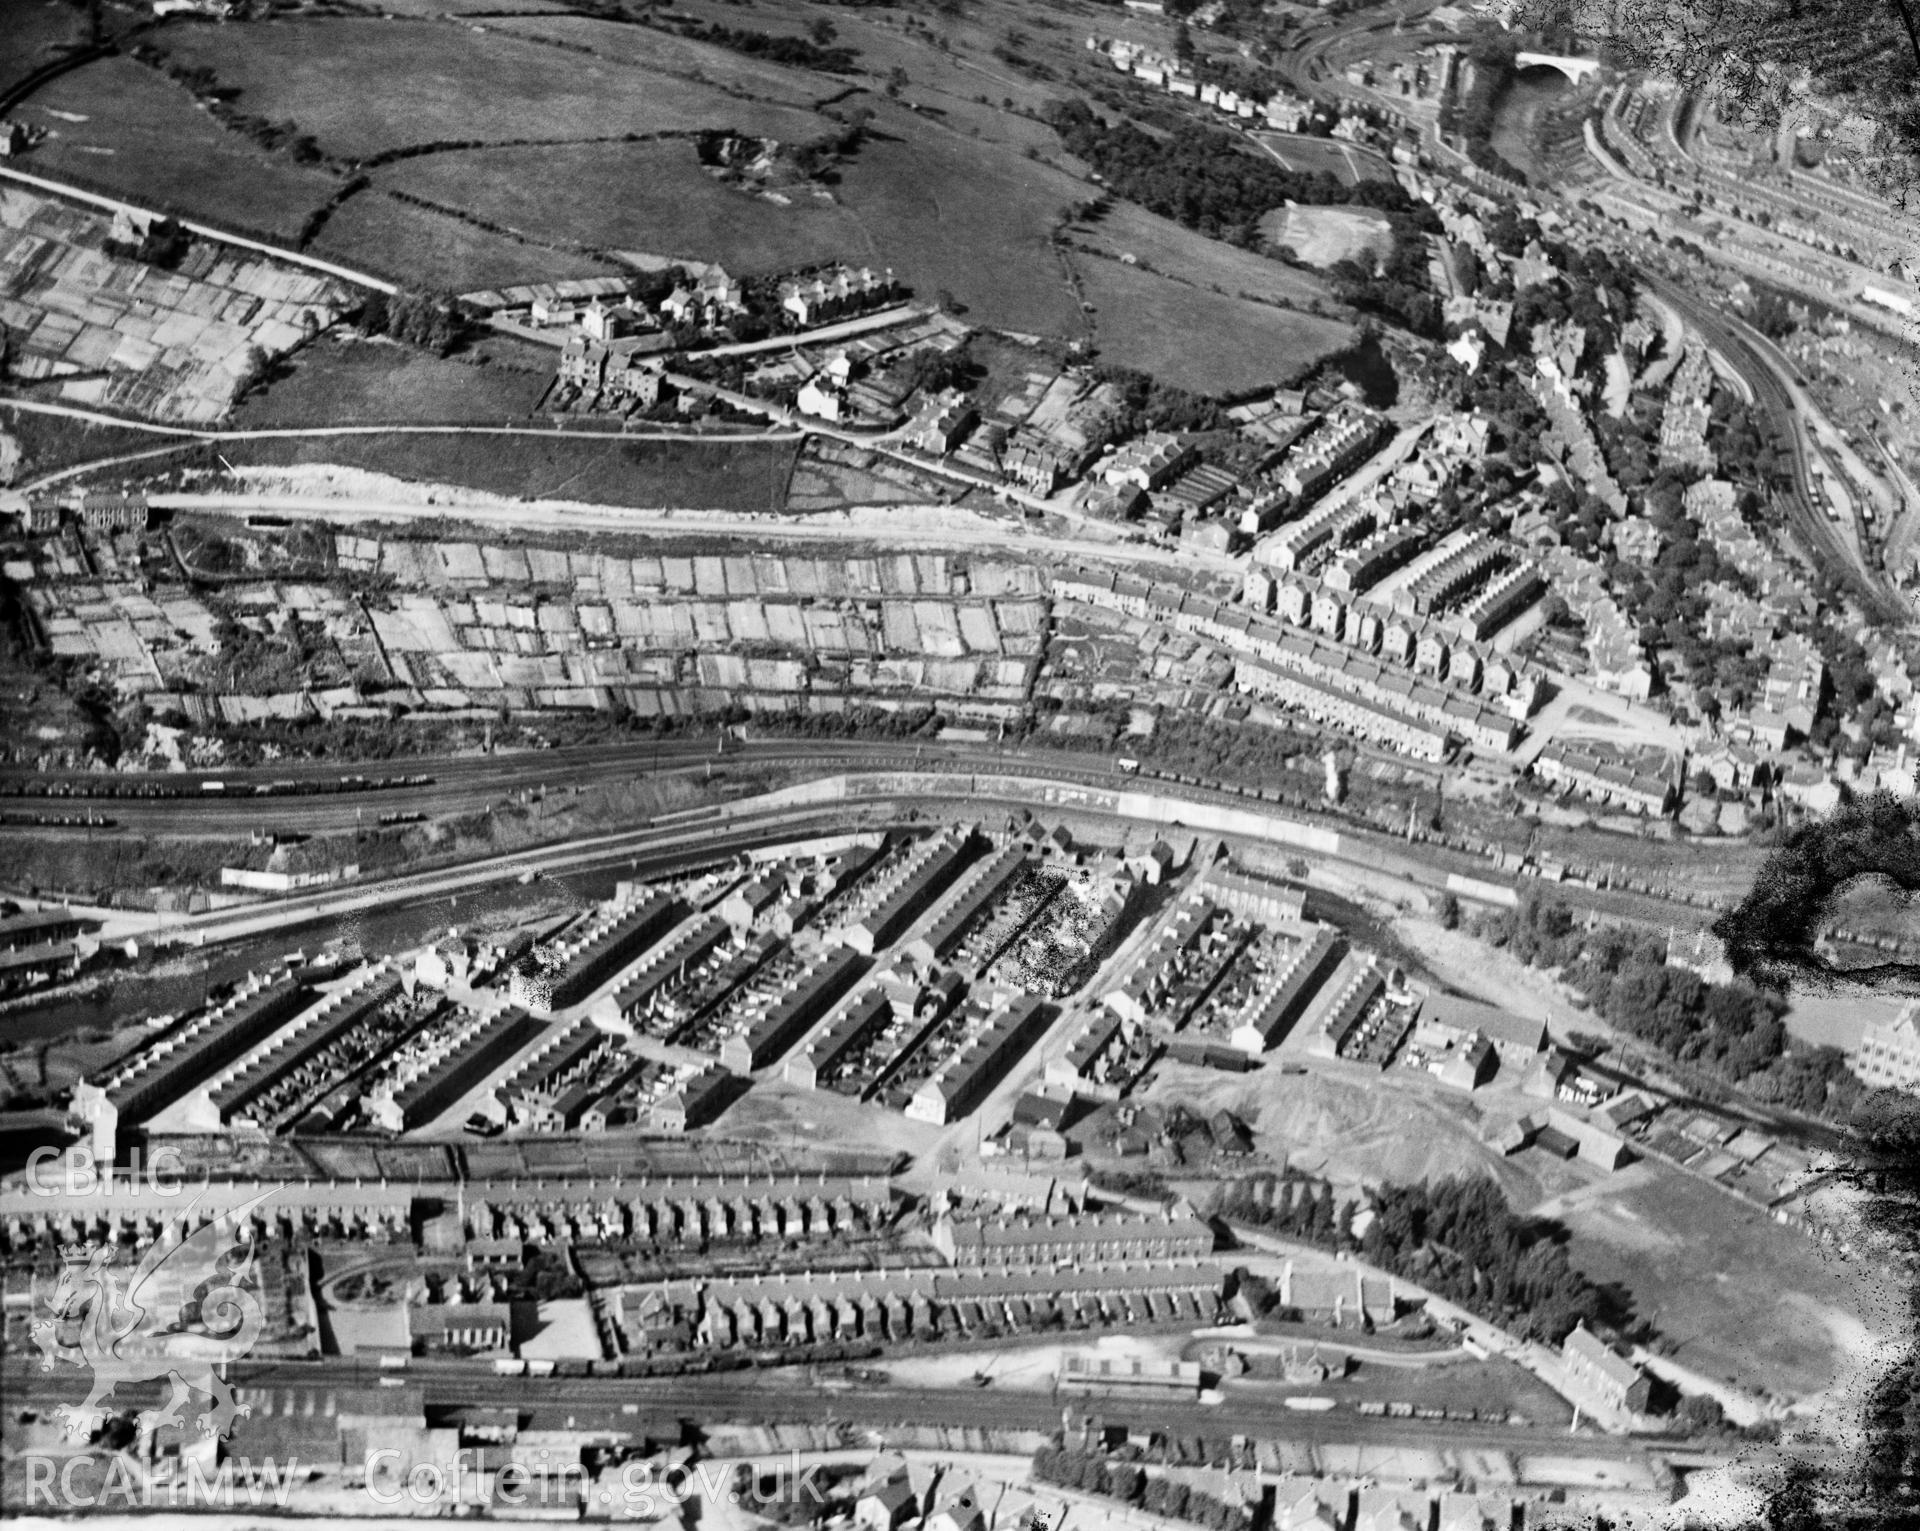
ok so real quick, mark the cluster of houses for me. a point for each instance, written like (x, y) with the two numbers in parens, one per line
(1282, 111)
(39, 946)
(1429, 76)
(1430, 609)
(1006, 1275)
(1781, 596)
(1617, 660)
(1340, 685)
(1688, 411)
(613, 340)
(1602, 776)
(102, 512)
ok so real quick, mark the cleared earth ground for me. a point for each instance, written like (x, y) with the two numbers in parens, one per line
(1355, 1131)
(690, 475)
(1739, 1295)
(1322, 235)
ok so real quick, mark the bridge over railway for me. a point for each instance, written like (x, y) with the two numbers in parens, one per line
(1578, 70)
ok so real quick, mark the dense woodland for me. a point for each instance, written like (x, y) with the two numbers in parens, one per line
(1152, 405)
(1201, 178)
(1456, 1237)
(435, 321)
(1730, 1031)
(815, 52)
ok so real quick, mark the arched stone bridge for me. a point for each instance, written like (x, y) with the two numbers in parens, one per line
(1578, 70)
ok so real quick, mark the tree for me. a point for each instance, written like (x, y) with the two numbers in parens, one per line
(1771, 935)
(1449, 912)
(1700, 1414)
(254, 371)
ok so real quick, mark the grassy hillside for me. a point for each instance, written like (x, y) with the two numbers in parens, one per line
(465, 148)
(1197, 339)
(121, 128)
(363, 87)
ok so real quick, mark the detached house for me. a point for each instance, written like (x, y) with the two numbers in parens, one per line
(822, 398)
(1597, 1365)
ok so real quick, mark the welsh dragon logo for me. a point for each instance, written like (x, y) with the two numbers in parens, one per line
(191, 1305)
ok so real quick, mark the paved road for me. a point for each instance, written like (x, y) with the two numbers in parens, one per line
(881, 319)
(221, 236)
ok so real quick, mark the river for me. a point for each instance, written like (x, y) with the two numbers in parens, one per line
(1517, 125)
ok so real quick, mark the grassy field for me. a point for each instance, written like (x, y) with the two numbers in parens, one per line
(666, 204)
(143, 138)
(349, 382)
(949, 65)
(948, 212)
(37, 33)
(1738, 1294)
(51, 442)
(1333, 155)
(945, 212)
(663, 52)
(1198, 339)
(361, 86)
(946, 209)
(1160, 244)
(431, 8)
(423, 248)
(643, 474)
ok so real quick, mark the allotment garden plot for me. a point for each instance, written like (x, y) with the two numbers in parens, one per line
(170, 345)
